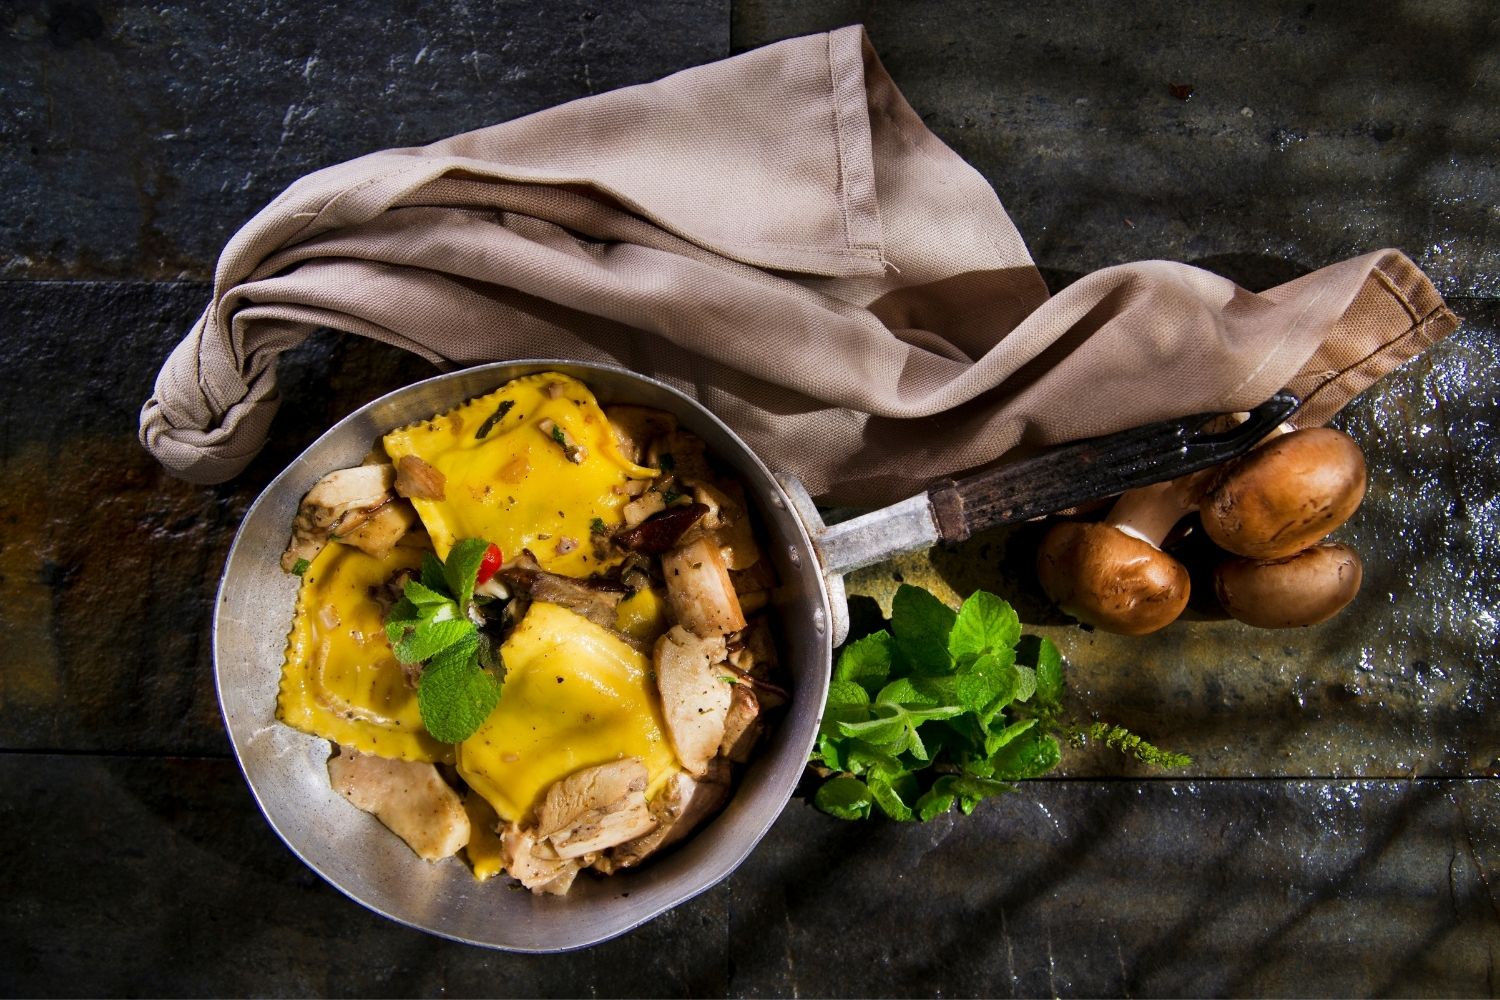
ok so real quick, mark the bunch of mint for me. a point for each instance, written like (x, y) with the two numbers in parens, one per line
(431, 625)
(947, 708)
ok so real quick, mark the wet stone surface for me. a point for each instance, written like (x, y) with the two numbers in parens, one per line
(1339, 831)
(140, 136)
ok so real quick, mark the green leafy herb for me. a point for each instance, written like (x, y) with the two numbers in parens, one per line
(300, 566)
(947, 709)
(598, 527)
(430, 624)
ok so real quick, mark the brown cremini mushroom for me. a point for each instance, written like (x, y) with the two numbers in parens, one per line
(1302, 589)
(1114, 575)
(1286, 494)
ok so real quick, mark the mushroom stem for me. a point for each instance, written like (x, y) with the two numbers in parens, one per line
(1151, 512)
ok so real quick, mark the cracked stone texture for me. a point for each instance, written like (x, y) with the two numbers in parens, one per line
(1256, 887)
(1338, 833)
(140, 136)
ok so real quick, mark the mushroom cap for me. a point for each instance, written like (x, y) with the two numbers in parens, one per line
(1286, 495)
(1303, 589)
(1111, 580)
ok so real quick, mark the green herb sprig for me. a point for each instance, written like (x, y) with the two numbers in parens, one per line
(947, 708)
(431, 625)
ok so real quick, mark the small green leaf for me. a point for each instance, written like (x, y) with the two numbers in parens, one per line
(1031, 755)
(842, 693)
(300, 566)
(462, 566)
(1025, 683)
(994, 741)
(887, 799)
(920, 624)
(845, 797)
(984, 623)
(428, 640)
(432, 573)
(866, 662)
(455, 697)
(986, 685)
(422, 596)
(902, 691)
(881, 730)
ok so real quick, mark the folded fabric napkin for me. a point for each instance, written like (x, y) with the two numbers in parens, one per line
(779, 235)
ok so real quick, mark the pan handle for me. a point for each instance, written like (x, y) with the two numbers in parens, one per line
(1098, 467)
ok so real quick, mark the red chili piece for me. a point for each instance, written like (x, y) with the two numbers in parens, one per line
(489, 565)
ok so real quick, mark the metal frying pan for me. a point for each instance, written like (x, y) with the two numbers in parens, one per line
(287, 769)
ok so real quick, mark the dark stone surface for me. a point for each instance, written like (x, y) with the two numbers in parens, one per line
(157, 877)
(140, 136)
(1314, 131)
(1339, 835)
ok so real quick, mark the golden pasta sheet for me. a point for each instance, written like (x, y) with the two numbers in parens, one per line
(341, 680)
(530, 465)
(575, 696)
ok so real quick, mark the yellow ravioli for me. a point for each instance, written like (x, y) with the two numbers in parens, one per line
(509, 479)
(341, 681)
(575, 696)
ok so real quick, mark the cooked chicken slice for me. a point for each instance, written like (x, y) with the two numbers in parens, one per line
(408, 796)
(378, 535)
(681, 805)
(648, 503)
(535, 865)
(595, 808)
(636, 427)
(741, 725)
(337, 504)
(699, 589)
(694, 695)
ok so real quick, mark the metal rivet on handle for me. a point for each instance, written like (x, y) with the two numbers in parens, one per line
(818, 622)
(795, 555)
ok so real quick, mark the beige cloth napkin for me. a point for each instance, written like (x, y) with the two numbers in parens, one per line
(781, 236)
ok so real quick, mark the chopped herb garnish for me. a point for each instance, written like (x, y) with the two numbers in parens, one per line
(494, 418)
(558, 436)
(670, 496)
(300, 566)
(666, 462)
(597, 526)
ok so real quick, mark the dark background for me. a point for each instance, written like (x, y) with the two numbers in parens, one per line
(1338, 832)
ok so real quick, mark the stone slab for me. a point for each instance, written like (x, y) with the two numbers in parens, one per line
(139, 136)
(158, 877)
(1311, 133)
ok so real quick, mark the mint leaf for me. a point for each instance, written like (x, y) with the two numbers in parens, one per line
(1043, 656)
(984, 624)
(432, 573)
(920, 624)
(866, 661)
(845, 797)
(455, 696)
(902, 691)
(1031, 755)
(1025, 684)
(886, 797)
(995, 740)
(420, 595)
(986, 685)
(462, 566)
(843, 694)
(429, 639)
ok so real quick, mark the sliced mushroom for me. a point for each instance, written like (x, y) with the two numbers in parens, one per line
(661, 531)
(636, 427)
(648, 503)
(418, 480)
(695, 695)
(742, 725)
(595, 808)
(679, 808)
(409, 797)
(380, 533)
(535, 865)
(1114, 575)
(726, 520)
(1303, 589)
(337, 504)
(593, 598)
(681, 453)
(1286, 494)
(699, 589)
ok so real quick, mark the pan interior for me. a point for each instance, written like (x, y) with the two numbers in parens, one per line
(287, 769)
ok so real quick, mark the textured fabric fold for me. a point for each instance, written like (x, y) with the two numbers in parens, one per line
(781, 236)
